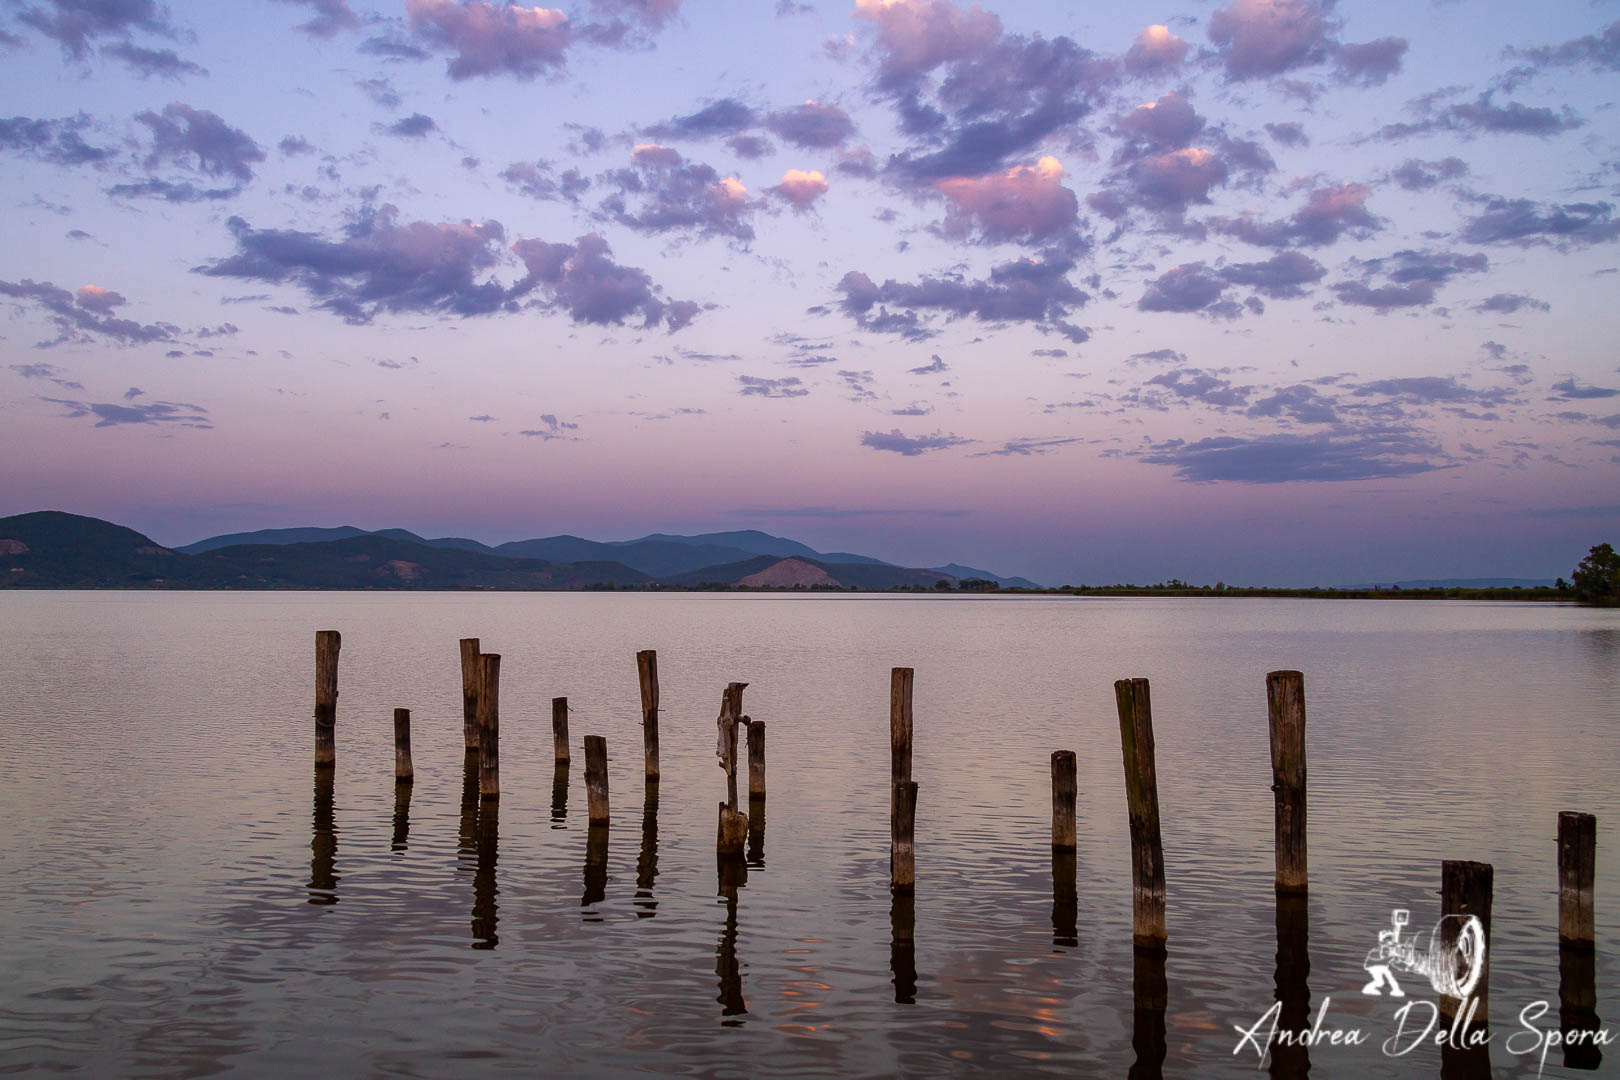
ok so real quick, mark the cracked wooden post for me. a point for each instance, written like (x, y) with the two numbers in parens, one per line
(756, 760)
(647, 669)
(733, 831)
(327, 644)
(733, 698)
(559, 729)
(403, 774)
(726, 742)
(900, 682)
(469, 693)
(1577, 870)
(596, 779)
(902, 838)
(489, 725)
(1142, 801)
(1465, 889)
(1065, 787)
(1285, 701)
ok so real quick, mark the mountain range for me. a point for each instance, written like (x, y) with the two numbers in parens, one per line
(51, 549)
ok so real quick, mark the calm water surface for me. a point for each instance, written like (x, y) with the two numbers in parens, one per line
(183, 896)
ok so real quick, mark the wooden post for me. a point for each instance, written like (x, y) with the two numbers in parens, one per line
(402, 747)
(1577, 870)
(733, 699)
(1465, 889)
(327, 643)
(902, 838)
(596, 779)
(489, 726)
(733, 831)
(1142, 800)
(756, 760)
(1285, 700)
(900, 680)
(469, 692)
(559, 729)
(1065, 786)
(726, 743)
(647, 669)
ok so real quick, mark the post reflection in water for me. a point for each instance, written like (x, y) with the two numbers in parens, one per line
(484, 917)
(647, 862)
(756, 833)
(323, 877)
(732, 874)
(559, 796)
(1577, 1008)
(402, 817)
(468, 832)
(903, 947)
(1150, 994)
(1065, 901)
(596, 851)
(1293, 986)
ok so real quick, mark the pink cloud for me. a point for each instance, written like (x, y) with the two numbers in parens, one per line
(101, 301)
(801, 188)
(491, 39)
(917, 36)
(1155, 49)
(1026, 201)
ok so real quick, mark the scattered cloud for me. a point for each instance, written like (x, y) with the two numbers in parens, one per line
(156, 413)
(330, 18)
(813, 125)
(1329, 213)
(84, 316)
(755, 386)
(58, 142)
(201, 140)
(1330, 456)
(911, 446)
(662, 192)
(414, 126)
(1508, 303)
(1034, 290)
(1416, 175)
(800, 188)
(583, 280)
(1155, 51)
(492, 39)
(1523, 222)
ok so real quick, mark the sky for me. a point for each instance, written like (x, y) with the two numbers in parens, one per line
(1255, 291)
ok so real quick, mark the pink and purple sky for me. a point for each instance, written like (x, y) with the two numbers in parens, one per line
(1266, 291)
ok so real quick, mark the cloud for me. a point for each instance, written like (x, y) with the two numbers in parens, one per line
(1028, 447)
(1303, 403)
(911, 446)
(1328, 213)
(293, 145)
(1155, 51)
(718, 119)
(1508, 303)
(1523, 222)
(1329, 456)
(75, 24)
(1033, 290)
(800, 188)
(378, 265)
(1483, 115)
(492, 39)
(1169, 123)
(750, 147)
(1568, 391)
(536, 180)
(1288, 134)
(1208, 388)
(582, 279)
(754, 386)
(78, 317)
(935, 366)
(331, 17)
(170, 191)
(414, 126)
(182, 133)
(670, 193)
(1370, 63)
(164, 63)
(1260, 39)
(1434, 390)
(813, 125)
(55, 141)
(1024, 203)
(1415, 175)
(1600, 51)
(110, 414)
(1280, 277)
(1190, 287)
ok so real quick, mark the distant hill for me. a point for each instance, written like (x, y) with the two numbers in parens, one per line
(1462, 583)
(957, 570)
(657, 558)
(271, 536)
(768, 570)
(52, 549)
(749, 540)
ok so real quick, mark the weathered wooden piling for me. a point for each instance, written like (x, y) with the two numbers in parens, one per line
(1285, 701)
(596, 779)
(1065, 786)
(1577, 871)
(327, 643)
(489, 725)
(733, 697)
(902, 838)
(1465, 889)
(900, 681)
(559, 729)
(733, 831)
(726, 743)
(756, 760)
(1142, 800)
(647, 669)
(469, 692)
(403, 774)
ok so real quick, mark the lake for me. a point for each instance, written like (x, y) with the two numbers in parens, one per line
(185, 896)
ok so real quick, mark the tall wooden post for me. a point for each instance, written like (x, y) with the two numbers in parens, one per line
(327, 643)
(469, 693)
(403, 774)
(902, 838)
(559, 729)
(596, 779)
(756, 760)
(1142, 800)
(1285, 700)
(1065, 787)
(647, 669)
(489, 726)
(1465, 889)
(1577, 871)
(900, 681)
(733, 831)
(733, 698)
(726, 742)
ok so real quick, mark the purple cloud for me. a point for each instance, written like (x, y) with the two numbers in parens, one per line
(663, 192)
(582, 279)
(909, 445)
(182, 133)
(78, 317)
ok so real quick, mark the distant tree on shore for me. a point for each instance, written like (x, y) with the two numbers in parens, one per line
(1597, 579)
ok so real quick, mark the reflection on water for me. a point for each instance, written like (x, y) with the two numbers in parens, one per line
(1577, 1008)
(903, 947)
(1149, 997)
(323, 876)
(484, 910)
(647, 861)
(1293, 990)
(1065, 901)
(596, 861)
(559, 796)
(402, 817)
(468, 830)
(1465, 1062)
(756, 833)
(732, 875)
